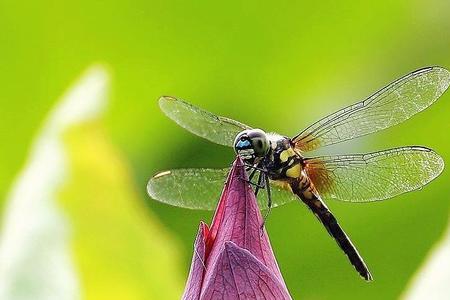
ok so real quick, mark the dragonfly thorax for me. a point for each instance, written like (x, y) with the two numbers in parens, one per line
(251, 144)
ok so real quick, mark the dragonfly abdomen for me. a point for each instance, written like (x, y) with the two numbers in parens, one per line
(305, 190)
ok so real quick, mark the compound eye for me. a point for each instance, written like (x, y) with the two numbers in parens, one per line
(252, 141)
(260, 145)
(260, 142)
(243, 144)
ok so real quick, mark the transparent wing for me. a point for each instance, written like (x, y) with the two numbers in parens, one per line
(389, 106)
(201, 189)
(373, 176)
(217, 129)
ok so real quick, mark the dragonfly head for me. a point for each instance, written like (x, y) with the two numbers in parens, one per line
(250, 144)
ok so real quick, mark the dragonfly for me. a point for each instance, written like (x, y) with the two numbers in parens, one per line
(281, 166)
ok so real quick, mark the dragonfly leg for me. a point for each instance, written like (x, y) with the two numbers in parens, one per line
(260, 184)
(269, 200)
(252, 174)
(256, 167)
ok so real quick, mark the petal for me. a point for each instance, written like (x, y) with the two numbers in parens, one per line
(195, 279)
(240, 275)
(239, 220)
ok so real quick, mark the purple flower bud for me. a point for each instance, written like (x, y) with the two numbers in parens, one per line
(233, 259)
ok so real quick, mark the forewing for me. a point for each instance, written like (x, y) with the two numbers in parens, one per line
(201, 189)
(389, 106)
(373, 176)
(217, 129)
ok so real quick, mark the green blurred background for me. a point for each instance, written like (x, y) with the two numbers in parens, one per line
(276, 66)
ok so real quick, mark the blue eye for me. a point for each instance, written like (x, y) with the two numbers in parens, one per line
(242, 144)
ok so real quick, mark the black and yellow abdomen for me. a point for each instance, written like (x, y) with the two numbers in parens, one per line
(306, 192)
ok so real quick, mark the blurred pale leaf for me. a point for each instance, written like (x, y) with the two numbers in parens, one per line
(34, 254)
(433, 278)
(122, 252)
